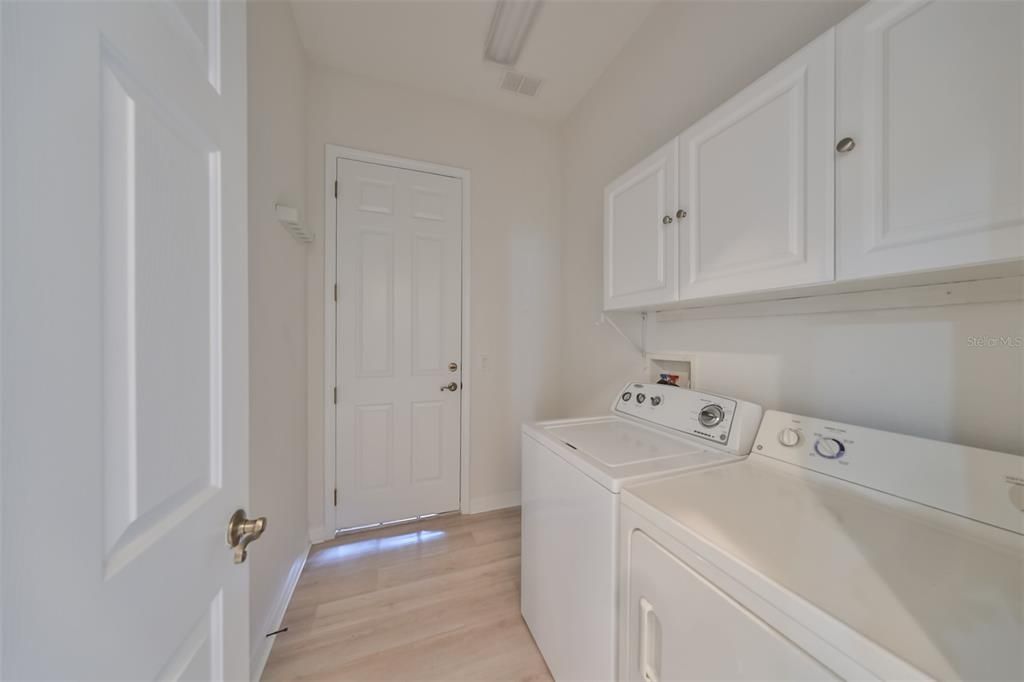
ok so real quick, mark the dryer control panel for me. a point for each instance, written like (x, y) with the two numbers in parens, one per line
(727, 423)
(978, 484)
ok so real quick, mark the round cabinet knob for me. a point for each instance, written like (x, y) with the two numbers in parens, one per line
(711, 415)
(626, 396)
(829, 448)
(640, 398)
(655, 400)
(789, 437)
(680, 214)
(846, 145)
(666, 220)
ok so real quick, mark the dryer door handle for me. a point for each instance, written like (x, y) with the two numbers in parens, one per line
(648, 641)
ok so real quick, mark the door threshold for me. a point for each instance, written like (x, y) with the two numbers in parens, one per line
(386, 524)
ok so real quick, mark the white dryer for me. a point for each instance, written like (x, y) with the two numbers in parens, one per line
(573, 471)
(833, 551)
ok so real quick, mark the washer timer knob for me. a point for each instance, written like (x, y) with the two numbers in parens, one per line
(829, 448)
(711, 415)
(789, 437)
(655, 400)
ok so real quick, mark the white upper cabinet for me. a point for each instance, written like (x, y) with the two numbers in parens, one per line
(932, 96)
(641, 233)
(893, 144)
(756, 182)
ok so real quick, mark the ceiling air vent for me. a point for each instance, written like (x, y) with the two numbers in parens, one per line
(520, 83)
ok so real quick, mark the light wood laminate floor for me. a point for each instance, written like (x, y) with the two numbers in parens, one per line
(433, 600)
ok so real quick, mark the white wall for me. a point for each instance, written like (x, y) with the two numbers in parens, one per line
(277, 314)
(515, 297)
(911, 370)
(905, 370)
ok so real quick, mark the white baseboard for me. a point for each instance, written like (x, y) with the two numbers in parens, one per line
(261, 649)
(320, 534)
(491, 502)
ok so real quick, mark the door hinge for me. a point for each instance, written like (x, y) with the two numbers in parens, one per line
(335, 497)
(335, 189)
(335, 395)
(335, 293)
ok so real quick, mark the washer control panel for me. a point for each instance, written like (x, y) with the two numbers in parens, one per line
(728, 423)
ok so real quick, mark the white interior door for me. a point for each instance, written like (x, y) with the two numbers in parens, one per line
(125, 340)
(398, 343)
(932, 94)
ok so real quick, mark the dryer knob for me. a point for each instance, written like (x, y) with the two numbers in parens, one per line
(789, 437)
(830, 448)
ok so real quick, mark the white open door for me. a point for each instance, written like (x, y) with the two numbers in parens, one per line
(125, 347)
(398, 343)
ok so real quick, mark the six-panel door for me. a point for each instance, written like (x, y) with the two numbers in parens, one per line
(125, 387)
(399, 328)
(930, 93)
(641, 233)
(755, 178)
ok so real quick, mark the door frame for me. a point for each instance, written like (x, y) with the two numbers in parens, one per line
(330, 461)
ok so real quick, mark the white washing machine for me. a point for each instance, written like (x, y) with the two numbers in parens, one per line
(832, 552)
(573, 471)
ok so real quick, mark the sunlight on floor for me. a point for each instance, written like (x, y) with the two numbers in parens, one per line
(376, 545)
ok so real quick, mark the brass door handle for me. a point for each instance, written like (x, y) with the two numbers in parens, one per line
(243, 531)
(450, 387)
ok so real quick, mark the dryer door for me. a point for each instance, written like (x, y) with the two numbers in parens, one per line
(682, 627)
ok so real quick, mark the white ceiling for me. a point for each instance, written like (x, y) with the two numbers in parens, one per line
(437, 46)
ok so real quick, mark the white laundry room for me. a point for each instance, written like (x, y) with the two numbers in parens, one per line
(511, 340)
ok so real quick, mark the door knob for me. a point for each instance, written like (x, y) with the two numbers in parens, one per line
(666, 220)
(243, 531)
(846, 145)
(450, 387)
(680, 214)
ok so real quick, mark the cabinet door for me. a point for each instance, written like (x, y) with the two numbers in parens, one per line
(641, 233)
(931, 95)
(682, 627)
(756, 178)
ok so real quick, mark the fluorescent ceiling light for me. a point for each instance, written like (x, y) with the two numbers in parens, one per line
(509, 27)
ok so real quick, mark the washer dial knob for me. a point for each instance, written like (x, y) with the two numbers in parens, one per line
(711, 415)
(829, 448)
(626, 396)
(655, 400)
(640, 398)
(789, 437)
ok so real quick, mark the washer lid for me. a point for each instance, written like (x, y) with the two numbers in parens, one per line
(614, 451)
